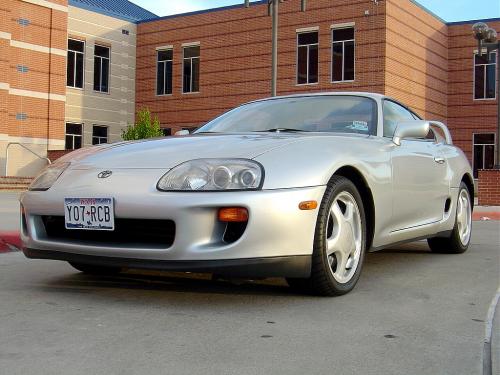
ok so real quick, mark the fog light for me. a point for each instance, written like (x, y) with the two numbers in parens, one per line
(233, 214)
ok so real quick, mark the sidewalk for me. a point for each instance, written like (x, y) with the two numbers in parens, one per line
(486, 213)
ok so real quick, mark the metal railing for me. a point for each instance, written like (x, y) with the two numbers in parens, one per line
(27, 149)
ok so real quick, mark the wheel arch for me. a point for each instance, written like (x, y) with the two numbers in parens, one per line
(357, 178)
(469, 182)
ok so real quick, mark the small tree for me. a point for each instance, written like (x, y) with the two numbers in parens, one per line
(145, 127)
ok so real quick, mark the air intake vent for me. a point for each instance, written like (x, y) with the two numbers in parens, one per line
(23, 22)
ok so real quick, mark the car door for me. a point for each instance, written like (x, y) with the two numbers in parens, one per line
(419, 182)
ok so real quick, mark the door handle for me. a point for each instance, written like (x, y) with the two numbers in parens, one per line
(439, 160)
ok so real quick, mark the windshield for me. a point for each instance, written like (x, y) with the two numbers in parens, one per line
(335, 113)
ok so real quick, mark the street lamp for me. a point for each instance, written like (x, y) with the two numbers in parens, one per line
(273, 11)
(488, 38)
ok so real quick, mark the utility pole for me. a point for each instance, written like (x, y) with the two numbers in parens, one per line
(273, 10)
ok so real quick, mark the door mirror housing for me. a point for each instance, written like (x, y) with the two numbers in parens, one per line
(410, 129)
(182, 132)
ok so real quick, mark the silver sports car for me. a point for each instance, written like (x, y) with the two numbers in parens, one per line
(298, 187)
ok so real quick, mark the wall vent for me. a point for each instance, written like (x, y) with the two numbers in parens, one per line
(23, 22)
(125, 32)
(21, 116)
(22, 69)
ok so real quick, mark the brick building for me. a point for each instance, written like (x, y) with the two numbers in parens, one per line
(67, 77)
(105, 59)
(32, 81)
(192, 67)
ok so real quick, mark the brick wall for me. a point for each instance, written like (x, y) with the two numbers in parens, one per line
(33, 40)
(53, 155)
(466, 115)
(489, 187)
(235, 48)
(416, 60)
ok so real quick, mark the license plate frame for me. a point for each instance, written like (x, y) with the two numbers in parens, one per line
(89, 214)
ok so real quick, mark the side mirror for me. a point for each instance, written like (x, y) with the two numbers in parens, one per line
(182, 132)
(410, 129)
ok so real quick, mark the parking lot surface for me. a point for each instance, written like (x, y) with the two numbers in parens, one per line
(413, 312)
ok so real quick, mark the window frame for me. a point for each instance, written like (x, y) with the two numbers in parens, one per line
(73, 136)
(494, 144)
(341, 27)
(184, 47)
(158, 50)
(299, 32)
(109, 68)
(83, 65)
(474, 65)
(99, 137)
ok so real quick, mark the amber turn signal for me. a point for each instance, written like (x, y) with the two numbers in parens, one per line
(308, 205)
(233, 214)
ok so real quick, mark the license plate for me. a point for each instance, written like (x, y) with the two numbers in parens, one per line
(89, 213)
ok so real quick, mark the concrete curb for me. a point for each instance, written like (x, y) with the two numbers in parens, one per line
(9, 242)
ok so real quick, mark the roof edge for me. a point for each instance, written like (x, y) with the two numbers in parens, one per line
(210, 10)
(495, 19)
(108, 12)
(424, 8)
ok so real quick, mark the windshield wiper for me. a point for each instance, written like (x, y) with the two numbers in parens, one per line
(282, 130)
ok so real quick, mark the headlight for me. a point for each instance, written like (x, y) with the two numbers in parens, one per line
(213, 175)
(48, 176)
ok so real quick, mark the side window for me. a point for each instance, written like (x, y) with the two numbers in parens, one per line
(394, 113)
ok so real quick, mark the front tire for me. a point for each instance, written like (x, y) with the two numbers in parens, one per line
(95, 270)
(339, 241)
(459, 239)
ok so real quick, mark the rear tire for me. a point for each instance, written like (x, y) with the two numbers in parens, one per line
(459, 239)
(95, 270)
(339, 242)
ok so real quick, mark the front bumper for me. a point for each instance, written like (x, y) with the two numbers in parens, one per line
(277, 235)
(287, 266)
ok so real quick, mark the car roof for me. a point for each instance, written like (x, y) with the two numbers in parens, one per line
(329, 93)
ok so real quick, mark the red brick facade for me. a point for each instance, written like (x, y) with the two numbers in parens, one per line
(29, 32)
(488, 189)
(402, 51)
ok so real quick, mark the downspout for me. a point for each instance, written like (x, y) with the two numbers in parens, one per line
(49, 80)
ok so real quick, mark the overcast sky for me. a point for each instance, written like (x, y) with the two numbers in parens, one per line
(449, 10)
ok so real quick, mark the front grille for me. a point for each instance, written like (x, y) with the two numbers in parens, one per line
(127, 233)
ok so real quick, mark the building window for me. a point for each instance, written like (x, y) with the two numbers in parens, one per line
(76, 51)
(484, 152)
(307, 58)
(101, 68)
(99, 134)
(191, 76)
(73, 136)
(343, 54)
(164, 61)
(485, 75)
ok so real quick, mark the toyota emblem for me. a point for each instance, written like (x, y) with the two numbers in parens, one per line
(104, 174)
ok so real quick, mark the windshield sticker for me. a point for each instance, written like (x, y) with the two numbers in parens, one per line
(359, 125)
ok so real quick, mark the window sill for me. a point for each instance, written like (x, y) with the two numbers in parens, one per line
(307, 84)
(162, 95)
(76, 88)
(101, 92)
(484, 100)
(350, 81)
(191, 93)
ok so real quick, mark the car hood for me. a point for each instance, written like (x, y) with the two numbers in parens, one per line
(166, 153)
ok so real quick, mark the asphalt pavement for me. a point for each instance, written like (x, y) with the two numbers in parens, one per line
(412, 312)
